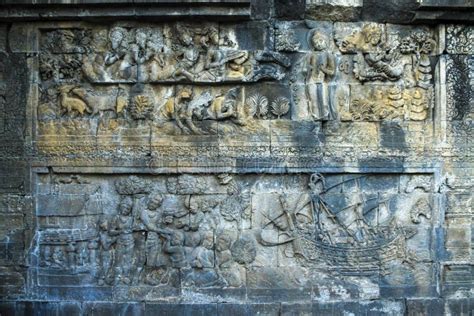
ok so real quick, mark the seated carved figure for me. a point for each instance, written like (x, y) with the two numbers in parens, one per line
(174, 247)
(119, 60)
(223, 253)
(226, 106)
(380, 65)
(367, 39)
(203, 255)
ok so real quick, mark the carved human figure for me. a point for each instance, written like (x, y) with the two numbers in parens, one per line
(321, 67)
(174, 246)
(360, 230)
(158, 56)
(382, 64)
(83, 257)
(118, 58)
(125, 241)
(221, 62)
(93, 67)
(107, 238)
(47, 256)
(317, 186)
(365, 40)
(71, 255)
(226, 107)
(203, 255)
(66, 41)
(59, 258)
(139, 48)
(187, 58)
(223, 253)
(191, 109)
(151, 218)
(141, 52)
(196, 216)
(92, 247)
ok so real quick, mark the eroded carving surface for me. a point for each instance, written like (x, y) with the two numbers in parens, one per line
(232, 231)
(280, 160)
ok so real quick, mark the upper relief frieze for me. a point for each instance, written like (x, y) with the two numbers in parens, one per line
(210, 78)
(166, 53)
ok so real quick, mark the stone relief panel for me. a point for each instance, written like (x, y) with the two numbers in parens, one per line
(134, 90)
(166, 53)
(365, 232)
(98, 70)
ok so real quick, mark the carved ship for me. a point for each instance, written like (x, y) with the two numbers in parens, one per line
(367, 253)
(365, 259)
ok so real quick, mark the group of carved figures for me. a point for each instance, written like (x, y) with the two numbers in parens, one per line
(151, 235)
(195, 54)
(168, 54)
(145, 242)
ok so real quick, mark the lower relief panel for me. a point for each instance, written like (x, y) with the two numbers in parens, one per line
(240, 237)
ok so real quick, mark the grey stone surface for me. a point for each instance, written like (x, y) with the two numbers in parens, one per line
(259, 158)
(334, 10)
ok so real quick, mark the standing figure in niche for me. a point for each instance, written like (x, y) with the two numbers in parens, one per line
(125, 241)
(107, 238)
(321, 67)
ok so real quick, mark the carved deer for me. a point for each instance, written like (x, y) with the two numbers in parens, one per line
(70, 103)
(98, 102)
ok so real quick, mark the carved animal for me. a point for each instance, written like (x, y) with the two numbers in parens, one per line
(227, 107)
(194, 109)
(71, 104)
(172, 105)
(184, 108)
(98, 102)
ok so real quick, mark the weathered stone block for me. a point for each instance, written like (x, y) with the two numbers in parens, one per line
(291, 9)
(248, 309)
(102, 308)
(425, 307)
(334, 10)
(181, 309)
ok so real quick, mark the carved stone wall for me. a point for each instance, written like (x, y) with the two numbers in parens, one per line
(285, 163)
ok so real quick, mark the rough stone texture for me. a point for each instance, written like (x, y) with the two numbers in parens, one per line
(334, 10)
(290, 163)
